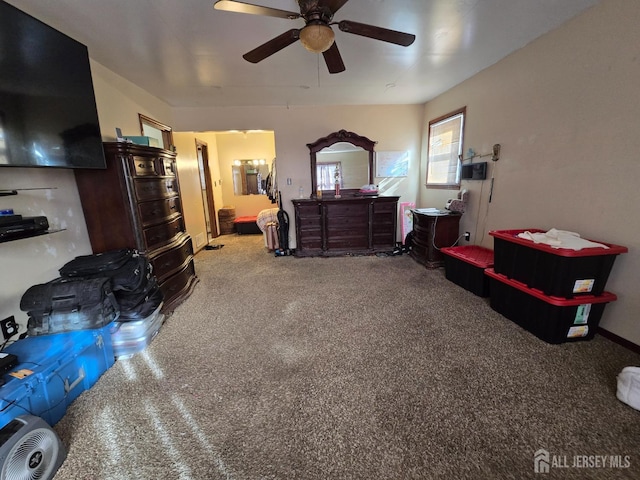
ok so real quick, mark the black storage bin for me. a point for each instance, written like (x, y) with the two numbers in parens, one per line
(552, 319)
(465, 266)
(558, 272)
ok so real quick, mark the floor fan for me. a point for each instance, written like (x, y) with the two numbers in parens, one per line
(29, 449)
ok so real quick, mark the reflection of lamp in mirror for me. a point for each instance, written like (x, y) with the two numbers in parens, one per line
(336, 180)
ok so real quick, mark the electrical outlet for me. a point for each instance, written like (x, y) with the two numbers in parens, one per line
(9, 327)
(467, 236)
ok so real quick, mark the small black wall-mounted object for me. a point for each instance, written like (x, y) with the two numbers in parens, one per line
(474, 171)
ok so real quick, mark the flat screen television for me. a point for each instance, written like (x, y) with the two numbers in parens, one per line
(48, 115)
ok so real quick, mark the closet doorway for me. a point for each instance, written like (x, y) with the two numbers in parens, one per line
(206, 190)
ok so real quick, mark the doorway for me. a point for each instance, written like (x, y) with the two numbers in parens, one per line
(207, 191)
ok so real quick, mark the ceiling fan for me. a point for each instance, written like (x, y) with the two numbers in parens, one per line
(317, 35)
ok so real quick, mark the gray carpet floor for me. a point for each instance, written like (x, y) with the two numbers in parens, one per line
(347, 368)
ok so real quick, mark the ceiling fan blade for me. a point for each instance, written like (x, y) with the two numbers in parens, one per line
(272, 46)
(377, 33)
(333, 59)
(335, 5)
(242, 7)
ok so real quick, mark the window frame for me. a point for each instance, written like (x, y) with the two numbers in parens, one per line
(447, 186)
(320, 178)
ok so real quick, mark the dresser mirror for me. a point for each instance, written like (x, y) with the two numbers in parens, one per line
(250, 177)
(350, 153)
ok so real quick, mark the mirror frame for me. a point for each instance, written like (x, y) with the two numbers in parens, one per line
(335, 137)
(166, 130)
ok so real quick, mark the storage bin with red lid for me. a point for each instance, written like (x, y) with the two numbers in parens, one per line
(552, 319)
(464, 265)
(559, 272)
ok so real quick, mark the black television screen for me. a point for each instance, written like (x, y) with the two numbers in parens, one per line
(48, 115)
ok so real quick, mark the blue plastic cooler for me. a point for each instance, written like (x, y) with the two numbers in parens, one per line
(54, 370)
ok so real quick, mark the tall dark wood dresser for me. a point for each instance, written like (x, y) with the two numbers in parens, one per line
(135, 203)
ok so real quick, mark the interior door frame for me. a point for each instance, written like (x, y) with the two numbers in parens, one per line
(204, 148)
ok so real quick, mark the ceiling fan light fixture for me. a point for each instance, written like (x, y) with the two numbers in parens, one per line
(317, 38)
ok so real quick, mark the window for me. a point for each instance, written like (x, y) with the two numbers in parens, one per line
(327, 173)
(444, 150)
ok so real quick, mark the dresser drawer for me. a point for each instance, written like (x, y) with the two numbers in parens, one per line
(143, 166)
(177, 284)
(384, 239)
(385, 207)
(311, 210)
(310, 242)
(172, 260)
(161, 234)
(152, 188)
(157, 211)
(351, 210)
(168, 167)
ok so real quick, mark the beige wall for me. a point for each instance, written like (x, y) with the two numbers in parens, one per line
(243, 146)
(394, 127)
(31, 261)
(119, 102)
(36, 260)
(223, 148)
(565, 110)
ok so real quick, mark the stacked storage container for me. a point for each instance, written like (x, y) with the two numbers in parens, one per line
(465, 266)
(555, 293)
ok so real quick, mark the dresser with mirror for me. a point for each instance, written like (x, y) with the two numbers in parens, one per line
(343, 221)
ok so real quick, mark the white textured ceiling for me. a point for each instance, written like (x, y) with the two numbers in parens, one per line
(188, 54)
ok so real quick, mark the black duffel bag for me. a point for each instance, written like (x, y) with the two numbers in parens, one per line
(127, 268)
(136, 307)
(67, 304)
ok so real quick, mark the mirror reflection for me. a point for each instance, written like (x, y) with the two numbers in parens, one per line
(342, 162)
(250, 177)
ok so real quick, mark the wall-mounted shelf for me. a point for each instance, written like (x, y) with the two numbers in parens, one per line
(31, 235)
(7, 193)
(17, 235)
